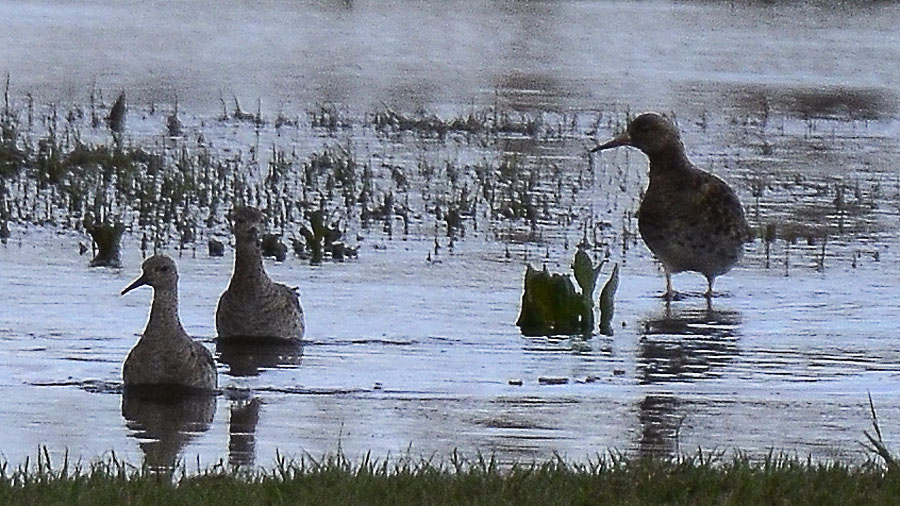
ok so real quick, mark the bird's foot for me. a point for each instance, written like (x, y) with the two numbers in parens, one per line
(671, 295)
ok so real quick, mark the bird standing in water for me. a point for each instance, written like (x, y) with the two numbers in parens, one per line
(254, 308)
(690, 219)
(165, 357)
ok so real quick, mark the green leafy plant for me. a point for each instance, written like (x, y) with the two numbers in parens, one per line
(551, 305)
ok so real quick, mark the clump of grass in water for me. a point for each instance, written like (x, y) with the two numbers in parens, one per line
(240, 115)
(12, 158)
(4, 229)
(389, 120)
(108, 239)
(320, 238)
(328, 117)
(116, 117)
(607, 302)
(334, 480)
(173, 124)
(489, 122)
(272, 246)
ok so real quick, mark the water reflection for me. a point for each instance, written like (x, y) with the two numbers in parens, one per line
(164, 426)
(687, 344)
(245, 359)
(242, 431)
(659, 426)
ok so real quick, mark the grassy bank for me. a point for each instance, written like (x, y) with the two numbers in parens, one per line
(607, 480)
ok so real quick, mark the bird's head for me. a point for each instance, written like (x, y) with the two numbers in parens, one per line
(652, 133)
(248, 224)
(158, 271)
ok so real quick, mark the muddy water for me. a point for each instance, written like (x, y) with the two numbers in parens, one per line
(790, 104)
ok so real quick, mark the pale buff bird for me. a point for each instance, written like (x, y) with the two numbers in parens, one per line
(254, 308)
(165, 357)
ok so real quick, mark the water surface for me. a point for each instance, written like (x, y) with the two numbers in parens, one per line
(786, 102)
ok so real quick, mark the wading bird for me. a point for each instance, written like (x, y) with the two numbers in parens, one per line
(690, 219)
(253, 307)
(165, 357)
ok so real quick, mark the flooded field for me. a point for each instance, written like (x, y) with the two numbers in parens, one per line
(451, 156)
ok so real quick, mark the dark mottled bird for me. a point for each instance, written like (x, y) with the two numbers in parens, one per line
(253, 307)
(165, 357)
(690, 219)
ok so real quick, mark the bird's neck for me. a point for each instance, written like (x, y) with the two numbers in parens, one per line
(248, 265)
(669, 162)
(163, 314)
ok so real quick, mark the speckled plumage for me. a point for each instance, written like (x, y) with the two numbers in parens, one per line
(690, 219)
(165, 357)
(254, 307)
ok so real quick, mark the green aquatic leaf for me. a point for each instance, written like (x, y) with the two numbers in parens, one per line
(585, 273)
(550, 305)
(606, 302)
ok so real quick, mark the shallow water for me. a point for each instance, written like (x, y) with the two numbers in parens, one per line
(404, 353)
(424, 355)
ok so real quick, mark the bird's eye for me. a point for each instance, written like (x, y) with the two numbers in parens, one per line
(164, 268)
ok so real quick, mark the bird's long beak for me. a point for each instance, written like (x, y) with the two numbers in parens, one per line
(141, 281)
(620, 140)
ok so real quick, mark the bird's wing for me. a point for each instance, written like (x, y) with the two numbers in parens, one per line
(722, 206)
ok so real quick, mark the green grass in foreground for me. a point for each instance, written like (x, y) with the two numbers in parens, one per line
(335, 480)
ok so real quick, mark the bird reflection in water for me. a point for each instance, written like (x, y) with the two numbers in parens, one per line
(682, 345)
(242, 431)
(164, 425)
(688, 344)
(660, 424)
(249, 359)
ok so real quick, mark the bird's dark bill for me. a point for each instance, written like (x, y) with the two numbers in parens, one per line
(138, 282)
(619, 140)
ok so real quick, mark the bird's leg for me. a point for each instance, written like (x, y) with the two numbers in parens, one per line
(670, 293)
(709, 291)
